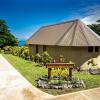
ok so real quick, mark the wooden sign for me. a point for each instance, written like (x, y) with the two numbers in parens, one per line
(59, 65)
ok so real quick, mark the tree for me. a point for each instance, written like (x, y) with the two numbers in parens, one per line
(98, 20)
(6, 38)
(96, 27)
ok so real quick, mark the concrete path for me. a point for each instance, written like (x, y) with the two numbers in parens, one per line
(91, 94)
(13, 86)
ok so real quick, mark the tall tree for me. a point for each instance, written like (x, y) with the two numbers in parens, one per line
(96, 27)
(6, 38)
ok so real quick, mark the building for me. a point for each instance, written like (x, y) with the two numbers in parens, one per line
(72, 39)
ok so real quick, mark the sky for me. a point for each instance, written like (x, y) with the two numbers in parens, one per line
(24, 17)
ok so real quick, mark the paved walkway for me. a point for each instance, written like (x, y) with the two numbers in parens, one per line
(91, 94)
(13, 86)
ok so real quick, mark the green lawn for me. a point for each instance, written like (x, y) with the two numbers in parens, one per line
(31, 72)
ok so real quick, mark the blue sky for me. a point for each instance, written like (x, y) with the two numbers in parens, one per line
(24, 17)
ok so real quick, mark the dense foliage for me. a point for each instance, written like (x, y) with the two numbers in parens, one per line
(6, 38)
(44, 57)
(61, 58)
(23, 51)
(96, 27)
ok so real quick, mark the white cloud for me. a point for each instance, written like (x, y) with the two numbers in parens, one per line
(90, 19)
(88, 14)
(92, 14)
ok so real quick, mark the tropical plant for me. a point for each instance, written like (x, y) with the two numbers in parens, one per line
(65, 72)
(25, 52)
(8, 49)
(92, 63)
(6, 38)
(0, 50)
(22, 51)
(37, 58)
(32, 57)
(17, 51)
(45, 57)
(61, 58)
(59, 71)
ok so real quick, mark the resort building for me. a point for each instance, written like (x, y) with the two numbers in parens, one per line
(72, 39)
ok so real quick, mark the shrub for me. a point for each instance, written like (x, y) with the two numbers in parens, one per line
(16, 51)
(92, 63)
(25, 52)
(0, 50)
(22, 51)
(32, 57)
(7, 49)
(61, 59)
(46, 58)
(37, 58)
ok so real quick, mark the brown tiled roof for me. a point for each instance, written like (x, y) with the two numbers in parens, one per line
(71, 33)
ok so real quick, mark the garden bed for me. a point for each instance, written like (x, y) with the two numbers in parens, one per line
(60, 82)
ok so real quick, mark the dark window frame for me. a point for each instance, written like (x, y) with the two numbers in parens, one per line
(44, 47)
(90, 49)
(96, 49)
(37, 49)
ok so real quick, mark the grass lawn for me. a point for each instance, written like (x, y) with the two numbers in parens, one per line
(31, 72)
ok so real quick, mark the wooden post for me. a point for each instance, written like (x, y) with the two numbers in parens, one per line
(70, 73)
(49, 73)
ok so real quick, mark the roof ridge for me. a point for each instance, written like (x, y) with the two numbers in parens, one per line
(74, 33)
(65, 33)
(59, 23)
(84, 34)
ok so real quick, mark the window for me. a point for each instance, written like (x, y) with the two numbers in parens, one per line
(90, 49)
(44, 47)
(37, 49)
(96, 49)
